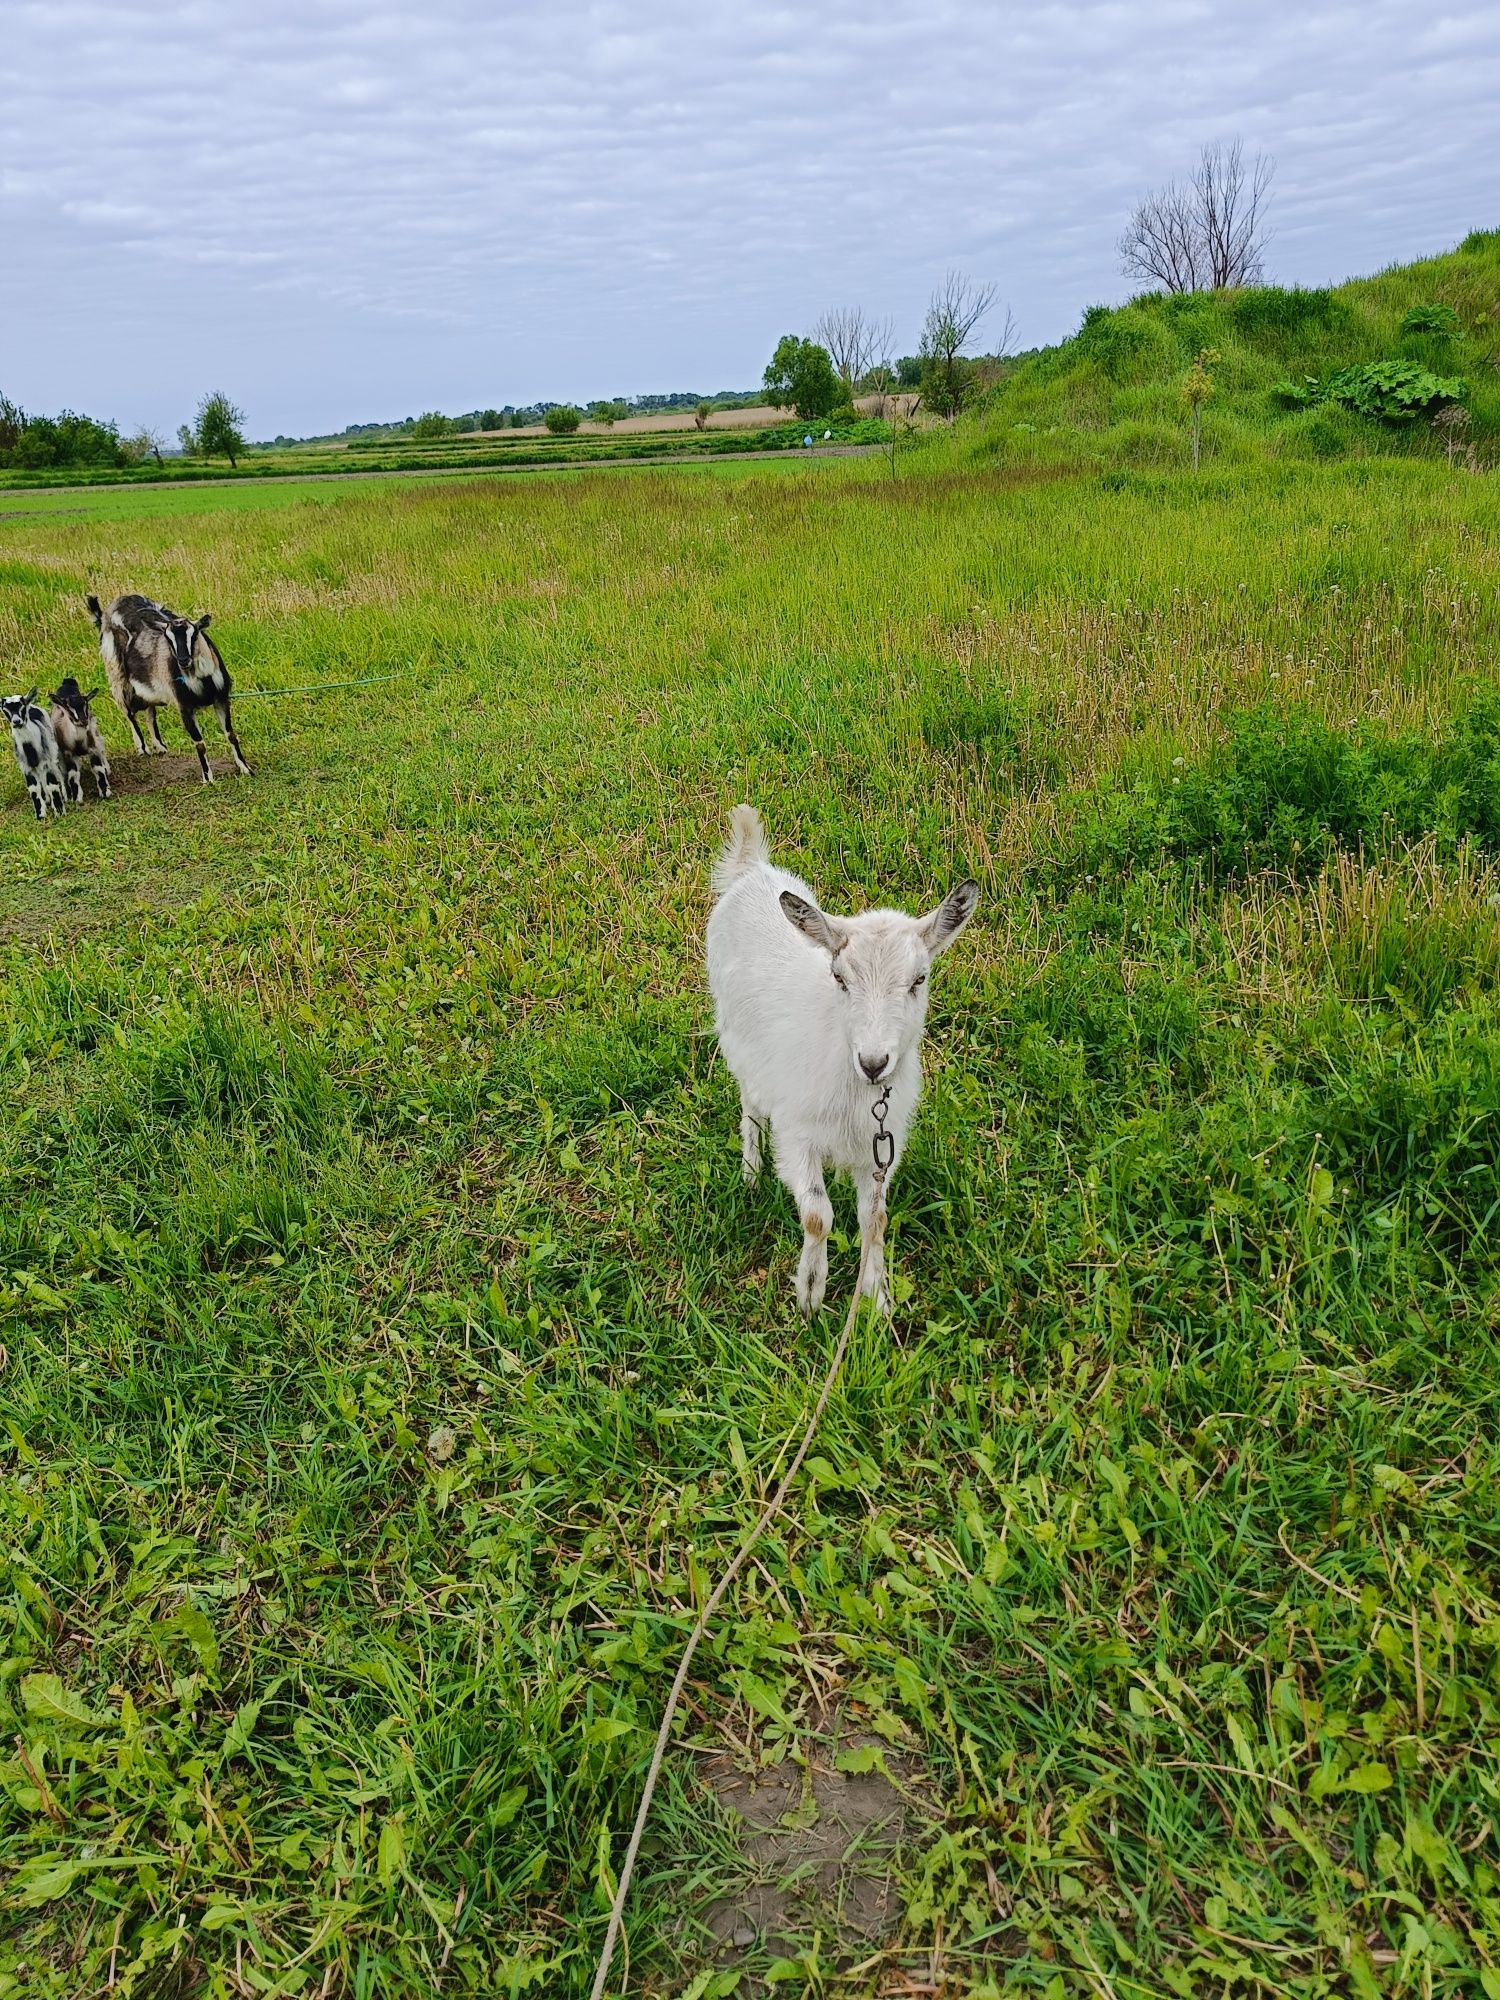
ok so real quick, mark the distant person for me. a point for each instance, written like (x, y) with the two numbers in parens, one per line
(828, 434)
(807, 440)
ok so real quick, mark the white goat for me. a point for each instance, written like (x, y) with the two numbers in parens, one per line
(815, 1015)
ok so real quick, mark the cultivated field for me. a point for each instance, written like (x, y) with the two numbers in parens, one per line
(392, 1357)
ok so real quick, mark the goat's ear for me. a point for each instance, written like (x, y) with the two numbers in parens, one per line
(811, 921)
(941, 926)
(205, 621)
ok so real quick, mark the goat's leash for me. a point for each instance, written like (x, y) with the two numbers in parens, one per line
(314, 687)
(884, 1149)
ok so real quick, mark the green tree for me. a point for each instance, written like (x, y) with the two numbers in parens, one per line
(701, 414)
(562, 420)
(490, 420)
(187, 440)
(216, 431)
(432, 424)
(801, 375)
(608, 413)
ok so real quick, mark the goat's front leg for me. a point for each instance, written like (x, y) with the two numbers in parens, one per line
(872, 1216)
(195, 735)
(802, 1172)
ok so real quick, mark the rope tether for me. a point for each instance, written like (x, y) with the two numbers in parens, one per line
(318, 687)
(884, 1149)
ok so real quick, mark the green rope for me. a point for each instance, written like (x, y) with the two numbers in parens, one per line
(320, 687)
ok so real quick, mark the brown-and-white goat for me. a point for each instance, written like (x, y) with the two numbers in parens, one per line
(154, 659)
(76, 728)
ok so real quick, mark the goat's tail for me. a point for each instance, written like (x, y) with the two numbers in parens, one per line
(746, 848)
(95, 610)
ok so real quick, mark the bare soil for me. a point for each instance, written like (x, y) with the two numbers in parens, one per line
(820, 1846)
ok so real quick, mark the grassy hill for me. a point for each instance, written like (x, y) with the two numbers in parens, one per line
(1113, 393)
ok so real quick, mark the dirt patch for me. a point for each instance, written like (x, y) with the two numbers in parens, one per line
(155, 774)
(821, 1835)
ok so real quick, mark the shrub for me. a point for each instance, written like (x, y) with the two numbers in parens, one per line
(432, 424)
(1431, 318)
(1284, 789)
(562, 420)
(1393, 391)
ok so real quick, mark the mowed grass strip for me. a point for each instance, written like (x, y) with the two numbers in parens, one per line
(392, 1355)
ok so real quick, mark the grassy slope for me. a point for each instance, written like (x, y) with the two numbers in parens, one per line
(382, 1307)
(1112, 394)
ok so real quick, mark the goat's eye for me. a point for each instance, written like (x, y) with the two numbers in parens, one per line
(919, 982)
(840, 981)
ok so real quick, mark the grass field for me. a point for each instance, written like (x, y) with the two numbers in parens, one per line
(392, 1355)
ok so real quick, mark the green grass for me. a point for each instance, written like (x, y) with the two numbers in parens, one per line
(391, 1351)
(1112, 395)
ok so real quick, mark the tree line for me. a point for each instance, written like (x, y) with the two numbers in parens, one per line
(34, 443)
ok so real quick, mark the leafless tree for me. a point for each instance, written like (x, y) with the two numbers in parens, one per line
(855, 342)
(956, 308)
(1207, 235)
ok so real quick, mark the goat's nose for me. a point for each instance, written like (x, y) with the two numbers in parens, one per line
(873, 1065)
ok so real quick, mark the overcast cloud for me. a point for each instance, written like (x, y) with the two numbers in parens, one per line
(341, 213)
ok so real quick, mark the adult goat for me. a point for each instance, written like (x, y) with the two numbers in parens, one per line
(154, 659)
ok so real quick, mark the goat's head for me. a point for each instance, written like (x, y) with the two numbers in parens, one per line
(190, 638)
(879, 962)
(17, 708)
(71, 698)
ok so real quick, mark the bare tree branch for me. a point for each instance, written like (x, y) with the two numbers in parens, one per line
(957, 306)
(855, 342)
(1229, 210)
(1207, 235)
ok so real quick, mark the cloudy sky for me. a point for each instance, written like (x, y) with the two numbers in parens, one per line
(341, 212)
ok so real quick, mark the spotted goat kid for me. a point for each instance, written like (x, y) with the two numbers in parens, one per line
(35, 745)
(155, 659)
(76, 728)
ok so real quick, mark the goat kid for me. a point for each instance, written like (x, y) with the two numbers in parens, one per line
(76, 728)
(815, 1014)
(154, 659)
(35, 746)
